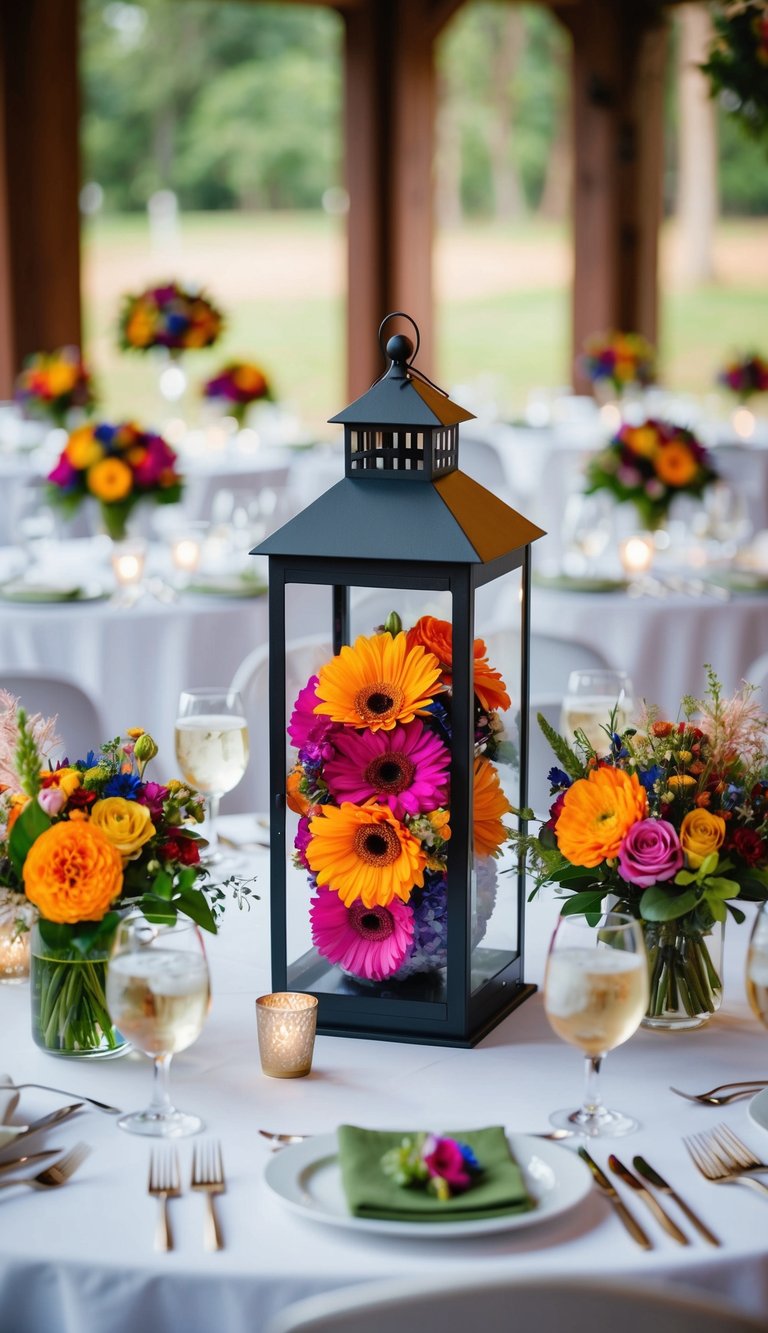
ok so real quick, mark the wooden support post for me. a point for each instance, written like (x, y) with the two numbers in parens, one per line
(390, 133)
(619, 54)
(39, 181)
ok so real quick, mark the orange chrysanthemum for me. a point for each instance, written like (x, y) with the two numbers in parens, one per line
(435, 636)
(363, 852)
(110, 480)
(489, 805)
(72, 872)
(377, 683)
(675, 465)
(597, 813)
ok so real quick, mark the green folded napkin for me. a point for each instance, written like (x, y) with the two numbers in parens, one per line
(18, 591)
(371, 1193)
(579, 582)
(227, 585)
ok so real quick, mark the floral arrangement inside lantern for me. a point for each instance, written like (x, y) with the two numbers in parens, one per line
(372, 788)
(118, 465)
(649, 465)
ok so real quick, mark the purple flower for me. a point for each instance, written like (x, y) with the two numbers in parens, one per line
(650, 853)
(444, 1158)
(310, 731)
(302, 841)
(64, 474)
(153, 795)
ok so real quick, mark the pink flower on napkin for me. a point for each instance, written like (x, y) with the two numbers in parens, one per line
(444, 1158)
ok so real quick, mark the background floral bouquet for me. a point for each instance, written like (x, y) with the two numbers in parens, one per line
(649, 465)
(81, 840)
(372, 789)
(745, 376)
(236, 386)
(117, 465)
(619, 359)
(737, 63)
(170, 316)
(671, 822)
(52, 384)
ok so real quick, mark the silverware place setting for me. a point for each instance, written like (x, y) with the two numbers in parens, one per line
(720, 1096)
(44, 1087)
(52, 1176)
(647, 1176)
(207, 1178)
(722, 1158)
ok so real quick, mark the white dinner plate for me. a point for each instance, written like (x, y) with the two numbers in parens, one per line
(757, 1109)
(306, 1176)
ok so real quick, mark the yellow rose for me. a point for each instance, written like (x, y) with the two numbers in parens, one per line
(62, 377)
(126, 824)
(701, 833)
(83, 449)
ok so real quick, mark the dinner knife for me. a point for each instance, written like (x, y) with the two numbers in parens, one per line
(661, 1216)
(653, 1178)
(45, 1122)
(30, 1157)
(633, 1227)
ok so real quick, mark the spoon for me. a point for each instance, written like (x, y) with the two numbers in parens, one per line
(714, 1098)
(100, 1106)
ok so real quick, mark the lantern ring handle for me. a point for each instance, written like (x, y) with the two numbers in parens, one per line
(395, 314)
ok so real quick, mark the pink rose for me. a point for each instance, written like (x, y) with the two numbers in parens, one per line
(650, 853)
(52, 800)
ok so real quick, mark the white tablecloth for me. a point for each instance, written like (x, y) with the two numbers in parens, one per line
(662, 642)
(82, 1257)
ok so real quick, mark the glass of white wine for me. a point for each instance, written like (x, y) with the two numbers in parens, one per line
(158, 996)
(757, 966)
(212, 749)
(595, 994)
(590, 698)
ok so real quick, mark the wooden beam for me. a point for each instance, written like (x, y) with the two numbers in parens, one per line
(39, 180)
(618, 62)
(390, 136)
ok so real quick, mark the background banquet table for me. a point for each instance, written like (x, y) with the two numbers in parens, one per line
(82, 1257)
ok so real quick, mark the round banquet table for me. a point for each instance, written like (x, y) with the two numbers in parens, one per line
(82, 1257)
(662, 642)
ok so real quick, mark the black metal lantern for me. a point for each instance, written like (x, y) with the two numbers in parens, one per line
(404, 539)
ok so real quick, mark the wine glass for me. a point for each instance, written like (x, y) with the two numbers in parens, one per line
(212, 749)
(757, 966)
(595, 994)
(590, 698)
(158, 996)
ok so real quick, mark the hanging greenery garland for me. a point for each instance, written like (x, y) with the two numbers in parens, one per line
(737, 66)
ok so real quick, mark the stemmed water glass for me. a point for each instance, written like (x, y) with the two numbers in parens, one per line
(158, 995)
(212, 749)
(590, 697)
(595, 994)
(757, 966)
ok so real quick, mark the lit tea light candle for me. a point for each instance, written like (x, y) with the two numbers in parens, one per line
(185, 554)
(16, 918)
(743, 422)
(610, 415)
(286, 1024)
(128, 560)
(636, 555)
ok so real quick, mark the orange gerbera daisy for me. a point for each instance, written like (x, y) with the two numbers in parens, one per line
(109, 480)
(489, 805)
(377, 683)
(363, 852)
(597, 813)
(675, 464)
(435, 636)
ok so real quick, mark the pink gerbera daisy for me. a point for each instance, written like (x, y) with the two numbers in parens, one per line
(405, 768)
(369, 942)
(307, 729)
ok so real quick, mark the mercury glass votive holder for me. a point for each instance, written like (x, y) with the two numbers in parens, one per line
(286, 1023)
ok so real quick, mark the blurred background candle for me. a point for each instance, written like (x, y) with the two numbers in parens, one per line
(128, 560)
(743, 422)
(636, 555)
(185, 554)
(286, 1025)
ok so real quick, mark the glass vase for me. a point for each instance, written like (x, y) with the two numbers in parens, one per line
(17, 916)
(685, 972)
(69, 1009)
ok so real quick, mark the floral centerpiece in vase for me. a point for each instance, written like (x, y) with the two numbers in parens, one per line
(55, 386)
(236, 386)
(81, 840)
(617, 362)
(169, 319)
(670, 823)
(649, 465)
(117, 465)
(371, 787)
(745, 376)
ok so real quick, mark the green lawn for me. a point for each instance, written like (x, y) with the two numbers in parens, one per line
(502, 306)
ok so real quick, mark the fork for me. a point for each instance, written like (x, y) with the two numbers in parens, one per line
(208, 1178)
(745, 1089)
(706, 1153)
(55, 1175)
(163, 1185)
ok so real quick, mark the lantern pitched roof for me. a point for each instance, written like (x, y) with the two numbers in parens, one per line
(451, 520)
(400, 397)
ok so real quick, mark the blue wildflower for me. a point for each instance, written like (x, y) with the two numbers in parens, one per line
(618, 748)
(469, 1157)
(733, 795)
(649, 776)
(123, 784)
(90, 761)
(440, 716)
(105, 433)
(557, 779)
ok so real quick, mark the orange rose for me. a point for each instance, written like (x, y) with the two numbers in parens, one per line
(435, 636)
(72, 873)
(701, 833)
(597, 813)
